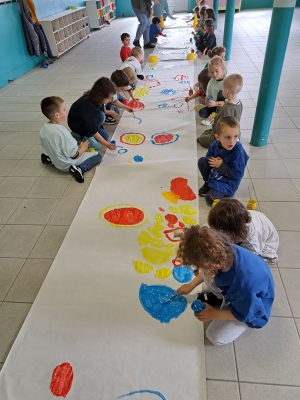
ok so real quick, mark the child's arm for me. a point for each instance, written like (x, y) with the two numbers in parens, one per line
(188, 287)
(112, 113)
(82, 147)
(131, 95)
(189, 98)
(119, 104)
(234, 171)
(105, 143)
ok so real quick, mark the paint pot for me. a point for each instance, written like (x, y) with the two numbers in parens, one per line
(191, 40)
(215, 202)
(113, 142)
(251, 205)
(197, 306)
(208, 99)
(153, 59)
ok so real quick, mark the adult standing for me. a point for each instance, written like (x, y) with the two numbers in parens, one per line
(142, 10)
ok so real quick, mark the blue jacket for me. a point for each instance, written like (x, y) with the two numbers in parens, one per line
(153, 31)
(236, 159)
(248, 288)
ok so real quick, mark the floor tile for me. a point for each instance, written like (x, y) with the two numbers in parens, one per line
(293, 167)
(267, 169)
(18, 240)
(77, 190)
(13, 126)
(9, 269)
(284, 136)
(274, 190)
(297, 322)
(33, 212)
(257, 361)
(25, 138)
(296, 182)
(251, 391)
(14, 152)
(288, 253)
(12, 316)
(261, 153)
(281, 306)
(284, 215)
(34, 153)
(49, 242)
(220, 390)
(30, 279)
(7, 207)
(7, 137)
(16, 186)
(48, 188)
(28, 168)
(242, 194)
(53, 172)
(220, 362)
(290, 278)
(65, 212)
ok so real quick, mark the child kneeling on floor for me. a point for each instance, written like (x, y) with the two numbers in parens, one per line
(62, 149)
(241, 279)
(224, 165)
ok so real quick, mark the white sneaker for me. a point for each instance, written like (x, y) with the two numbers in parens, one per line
(206, 122)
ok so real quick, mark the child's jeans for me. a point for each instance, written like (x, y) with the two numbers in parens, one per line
(206, 111)
(205, 169)
(90, 162)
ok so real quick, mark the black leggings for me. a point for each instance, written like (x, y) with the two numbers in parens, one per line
(206, 111)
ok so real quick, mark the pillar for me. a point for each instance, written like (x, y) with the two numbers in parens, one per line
(216, 10)
(228, 27)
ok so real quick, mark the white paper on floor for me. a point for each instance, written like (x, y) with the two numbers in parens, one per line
(96, 310)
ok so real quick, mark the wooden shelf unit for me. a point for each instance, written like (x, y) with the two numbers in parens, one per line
(99, 11)
(65, 29)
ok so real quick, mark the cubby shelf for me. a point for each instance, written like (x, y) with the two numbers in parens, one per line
(100, 11)
(65, 29)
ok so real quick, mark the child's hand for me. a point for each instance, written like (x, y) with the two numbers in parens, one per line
(111, 146)
(84, 145)
(114, 115)
(185, 289)
(215, 162)
(135, 99)
(211, 103)
(164, 35)
(147, 79)
(187, 99)
(208, 314)
(129, 109)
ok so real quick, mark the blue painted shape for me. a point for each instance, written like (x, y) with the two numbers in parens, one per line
(144, 391)
(152, 299)
(178, 105)
(163, 105)
(168, 92)
(122, 150)
(184, 81)
(183, 274)
(175, 138)
(138, 159)
(150, 76)
(197, 306)
(139, 119)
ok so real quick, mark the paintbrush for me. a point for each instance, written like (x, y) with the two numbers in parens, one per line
(171, 298)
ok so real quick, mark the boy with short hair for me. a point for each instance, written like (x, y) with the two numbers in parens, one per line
(224, 165)
(62, 149)
(134, 62)
(125, 51)
(233, 107)
(155, 30)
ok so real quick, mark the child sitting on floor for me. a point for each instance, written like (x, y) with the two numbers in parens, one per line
(239, 278)
(224, 165)
(249, 229)
(208, 40)
(132, 80)
(62, 149)
(125, 51)
(196, 11)
(203, 79)
(134, 62)
(154, 30)
(199, 30)
(233, 107)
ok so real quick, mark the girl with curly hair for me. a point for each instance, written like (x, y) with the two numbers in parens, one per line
(241, 279)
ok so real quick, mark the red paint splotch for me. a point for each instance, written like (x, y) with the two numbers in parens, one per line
(126, 216)
(172, 220)
(136, 105)
(172, 238)
(180, 77)
(180, 187)
(161, 209)
(176, 262)
(154, 84)
(163, 138)
(62, 378)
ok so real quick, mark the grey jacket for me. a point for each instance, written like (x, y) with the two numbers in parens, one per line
(143, 5)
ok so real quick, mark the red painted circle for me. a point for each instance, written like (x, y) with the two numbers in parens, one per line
(163, 138)
(126, 216)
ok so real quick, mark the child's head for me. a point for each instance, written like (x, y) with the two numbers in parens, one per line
(209, 25)
(217, 68)
(54, 108)
(232, 85)
(155, 20)
(120, 79)
(231, 217)
(125, 38)
(137, 52)
(131, 75)
(209, 13)
(217, 51)
(202, 12)
(101, 92)
(228, 132)
(196, 10)
(203, 79)
(201, 3)
(205, 248)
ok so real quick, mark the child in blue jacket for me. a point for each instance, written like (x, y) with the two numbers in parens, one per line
(223, 167)
(241, 279)
(155, 30)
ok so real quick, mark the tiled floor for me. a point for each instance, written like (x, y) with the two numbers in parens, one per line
(38, 203)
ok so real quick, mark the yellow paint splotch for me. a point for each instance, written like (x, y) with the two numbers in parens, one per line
(155, 232)
(142, 268)
(145, 238)
(140, 92)
(183, 209)
(159, 218)
(170, 196)
(157, 257)
(188, 220)
(163, 273)
(133, 138)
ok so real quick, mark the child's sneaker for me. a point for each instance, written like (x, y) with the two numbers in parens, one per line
(46, 159)
(110, 120)
(77, 173)
(206, 122)
(271, 260)
(210, 298)
(203, 190)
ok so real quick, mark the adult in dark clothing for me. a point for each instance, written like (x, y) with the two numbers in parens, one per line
(142, 10)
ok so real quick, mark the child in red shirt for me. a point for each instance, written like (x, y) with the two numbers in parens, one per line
(125, 51)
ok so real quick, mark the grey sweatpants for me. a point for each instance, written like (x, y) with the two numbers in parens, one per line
(220, 332)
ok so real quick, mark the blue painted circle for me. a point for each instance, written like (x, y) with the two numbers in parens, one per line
(138, 159)
(158, 394)
(152, 299)
(183, 274)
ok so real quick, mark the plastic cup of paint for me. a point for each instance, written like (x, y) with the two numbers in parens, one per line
(208, 99)
(197, 306)
(114, 143)
(251, 205)
(191, 40)
(215, 202)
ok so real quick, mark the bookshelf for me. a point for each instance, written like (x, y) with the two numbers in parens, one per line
(99, 11)
(65, 29)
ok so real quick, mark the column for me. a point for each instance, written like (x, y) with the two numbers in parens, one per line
(228, 28)
(216, 10)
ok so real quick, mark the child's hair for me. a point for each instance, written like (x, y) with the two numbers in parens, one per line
(217, 61)
(216, 51)
(202, 3)
(232, 122)
(205, 248)
(130, 74)
(101, 90)
(51, 105)
(196, 10)
(119, 78)
(136, 51)
(202, 11)
(211, 14)
(231, 217)
(204, 78)
(124, 36)
(233, 83)
(209, 23)
(155, 20)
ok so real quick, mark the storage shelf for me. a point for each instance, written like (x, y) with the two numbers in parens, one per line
(97, 16)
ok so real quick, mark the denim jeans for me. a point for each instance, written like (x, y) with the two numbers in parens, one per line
(206, 111)
(205, 169)
(90, 162)
(144, 25)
